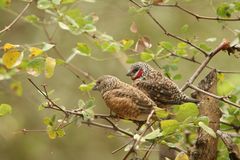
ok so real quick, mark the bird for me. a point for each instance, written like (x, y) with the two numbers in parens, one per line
(124, 100)
(162, 90)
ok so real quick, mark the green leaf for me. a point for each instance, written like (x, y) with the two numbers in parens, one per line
(161, 113)
(127, 44)
(41, 107)
(185, 111)
(86, 87)
(4, 3)
(56, 2)
(83, 49)
(177, 77)
(146, 56)
(130, 60)
(81, 103)
(63, 26)
(52, 134)
(47, 46)
(111, 47)
(68, 1)
(153, 135)
(16, 87)
(181, 45)
(32, 18)
(166, 45)
(89, 103)
(88, 114)
(205, 47)
(184, 28)
(237, 6)
(169, 126)
(35, 66)
(212, 39)
(5, 109)
(224, 10)
(207, 129)
(60, 133)
(224, 88)
(44, 4)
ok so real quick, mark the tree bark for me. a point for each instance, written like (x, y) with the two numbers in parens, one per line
(206, 146)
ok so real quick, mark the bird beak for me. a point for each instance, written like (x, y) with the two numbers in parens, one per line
(129, 73)
(95, 88)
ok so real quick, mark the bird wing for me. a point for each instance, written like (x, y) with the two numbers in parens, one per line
(160, 91)
(130, 98)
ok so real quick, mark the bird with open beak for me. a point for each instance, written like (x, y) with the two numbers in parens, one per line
(162, 90)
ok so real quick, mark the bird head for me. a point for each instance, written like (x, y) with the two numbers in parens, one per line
(105, 83)
(139, 70)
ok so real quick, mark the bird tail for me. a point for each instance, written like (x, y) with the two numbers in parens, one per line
(188, 99)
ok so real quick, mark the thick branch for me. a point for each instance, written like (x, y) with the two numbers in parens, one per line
(206, 146)
(8, 27)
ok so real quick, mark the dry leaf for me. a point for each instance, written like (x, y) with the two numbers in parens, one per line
(142, 44)
(133, 27)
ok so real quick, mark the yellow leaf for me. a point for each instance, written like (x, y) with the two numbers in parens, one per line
(8, 46)
(17, 87)
(12, 58)
(50, 64)
(34, 52)
(182, 156)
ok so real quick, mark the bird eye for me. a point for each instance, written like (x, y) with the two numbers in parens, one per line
(98, 82)
(135, 70)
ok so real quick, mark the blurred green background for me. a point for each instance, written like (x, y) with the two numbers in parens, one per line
(90, 142)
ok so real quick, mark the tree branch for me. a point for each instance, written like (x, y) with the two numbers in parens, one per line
(221, 98)
(168, 33)
(141, 134)
(54, 106)
(234, 153)
(8, 27)
(192, 59)
(223, 45)
(197, 16)
(206, 146)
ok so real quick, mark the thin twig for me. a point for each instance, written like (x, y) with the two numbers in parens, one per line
(54, 106)
(148, 151)
(192, 59)
(235, 127)
(141, 134)
(8, 27)
(168, 33)
(223, 45)
(221, 98)
(123, 146)
(46, 96)
(197, 16)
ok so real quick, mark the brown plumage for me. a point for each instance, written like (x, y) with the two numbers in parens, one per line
(162, 90)
(123, 99)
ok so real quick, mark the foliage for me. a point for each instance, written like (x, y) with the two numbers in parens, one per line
(44, 57)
